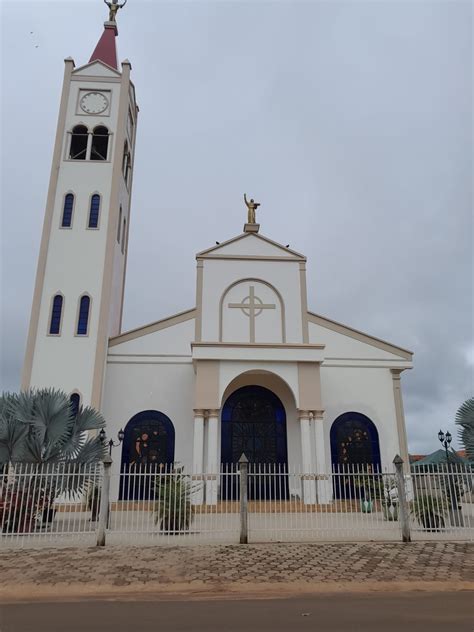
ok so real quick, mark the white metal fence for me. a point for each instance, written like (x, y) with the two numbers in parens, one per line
(66, 504)
(49, 504)
(166, 505)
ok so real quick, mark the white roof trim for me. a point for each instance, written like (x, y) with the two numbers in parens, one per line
(164, 323)
(296, 255)
(97, 61)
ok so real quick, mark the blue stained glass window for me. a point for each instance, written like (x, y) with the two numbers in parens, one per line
(56, 312)
(67, 211)
(75, 400)
(94, 211)
(83, 320)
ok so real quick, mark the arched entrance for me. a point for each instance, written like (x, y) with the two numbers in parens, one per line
(148, 444)
(254, 424)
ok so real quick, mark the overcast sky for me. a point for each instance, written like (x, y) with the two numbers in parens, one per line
(351, 123)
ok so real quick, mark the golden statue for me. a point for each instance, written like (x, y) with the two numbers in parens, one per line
(114, 6)
(252, 207)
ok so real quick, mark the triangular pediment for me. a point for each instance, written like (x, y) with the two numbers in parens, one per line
(250, 245)
(97, 69)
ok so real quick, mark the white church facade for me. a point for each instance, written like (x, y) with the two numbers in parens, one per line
(247, 369)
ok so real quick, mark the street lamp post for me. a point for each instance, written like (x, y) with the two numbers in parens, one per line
(445, 440)
(110, 442)
(453, 492)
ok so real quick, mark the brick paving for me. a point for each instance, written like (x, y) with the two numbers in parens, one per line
(220, 567)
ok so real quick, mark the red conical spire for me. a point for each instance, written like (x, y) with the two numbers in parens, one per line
(106, 50)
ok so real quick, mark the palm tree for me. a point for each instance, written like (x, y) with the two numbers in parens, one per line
(465, 418)
(47, 446)
(42, 426)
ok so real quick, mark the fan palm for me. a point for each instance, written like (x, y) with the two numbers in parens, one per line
(42, 437)
(465, 419)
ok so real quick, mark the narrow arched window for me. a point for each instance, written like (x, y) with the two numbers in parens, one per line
(100, 143)
(56, 315)
(83, 317)
(79, 138)
(119, 226)
(75, 401)
(124, 234)
(66, 220)
(126, 163)
(94, 211)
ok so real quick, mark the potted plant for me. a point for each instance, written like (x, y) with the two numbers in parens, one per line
(366, 486)
(172, 508)
(93, 501)
(48, 512)
(389, 498)
(430, 510)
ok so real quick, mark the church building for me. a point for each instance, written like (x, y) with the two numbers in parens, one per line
(248, 368)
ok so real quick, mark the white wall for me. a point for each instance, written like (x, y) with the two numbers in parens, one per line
(164, 386)
(174, 340)
(340, 346)
(364, 390)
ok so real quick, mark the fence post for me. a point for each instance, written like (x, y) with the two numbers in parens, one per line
(104, 502)
(402, 499)
(244, 475)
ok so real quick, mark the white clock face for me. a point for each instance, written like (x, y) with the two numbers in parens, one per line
(94, 103)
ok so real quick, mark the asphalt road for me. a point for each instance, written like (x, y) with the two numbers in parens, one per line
(378, 612)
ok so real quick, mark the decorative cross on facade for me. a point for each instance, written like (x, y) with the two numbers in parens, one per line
(253, 308)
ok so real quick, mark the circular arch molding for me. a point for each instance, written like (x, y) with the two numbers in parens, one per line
(260, 377)
(255, 280)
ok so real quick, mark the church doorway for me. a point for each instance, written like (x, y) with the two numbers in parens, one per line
(254, 424)
(354, 446)
(148, 444)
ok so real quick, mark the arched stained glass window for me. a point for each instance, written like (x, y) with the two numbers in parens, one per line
(79, 138)
(94, 211)
(56, 314)
(354, 441)
(75, 401)
(100, 143)
(66, 221)
(148, 445)
(83, 319)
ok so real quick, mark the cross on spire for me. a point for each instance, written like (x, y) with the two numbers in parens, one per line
(253, 308)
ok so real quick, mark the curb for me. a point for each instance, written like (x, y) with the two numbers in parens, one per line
(221, 591)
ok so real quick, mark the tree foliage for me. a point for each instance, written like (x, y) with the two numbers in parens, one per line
(465, 419)
(41, 426)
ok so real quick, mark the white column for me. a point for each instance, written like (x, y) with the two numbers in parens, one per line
(198, 456)
(324, 485)
(309, 489)
(212, 469)
(89, 146)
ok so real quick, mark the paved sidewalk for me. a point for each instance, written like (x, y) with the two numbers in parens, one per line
(251, 569)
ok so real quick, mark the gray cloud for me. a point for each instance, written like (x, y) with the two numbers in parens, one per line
(350, 122)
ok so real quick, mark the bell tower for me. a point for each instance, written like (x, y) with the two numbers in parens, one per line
(78, 296)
